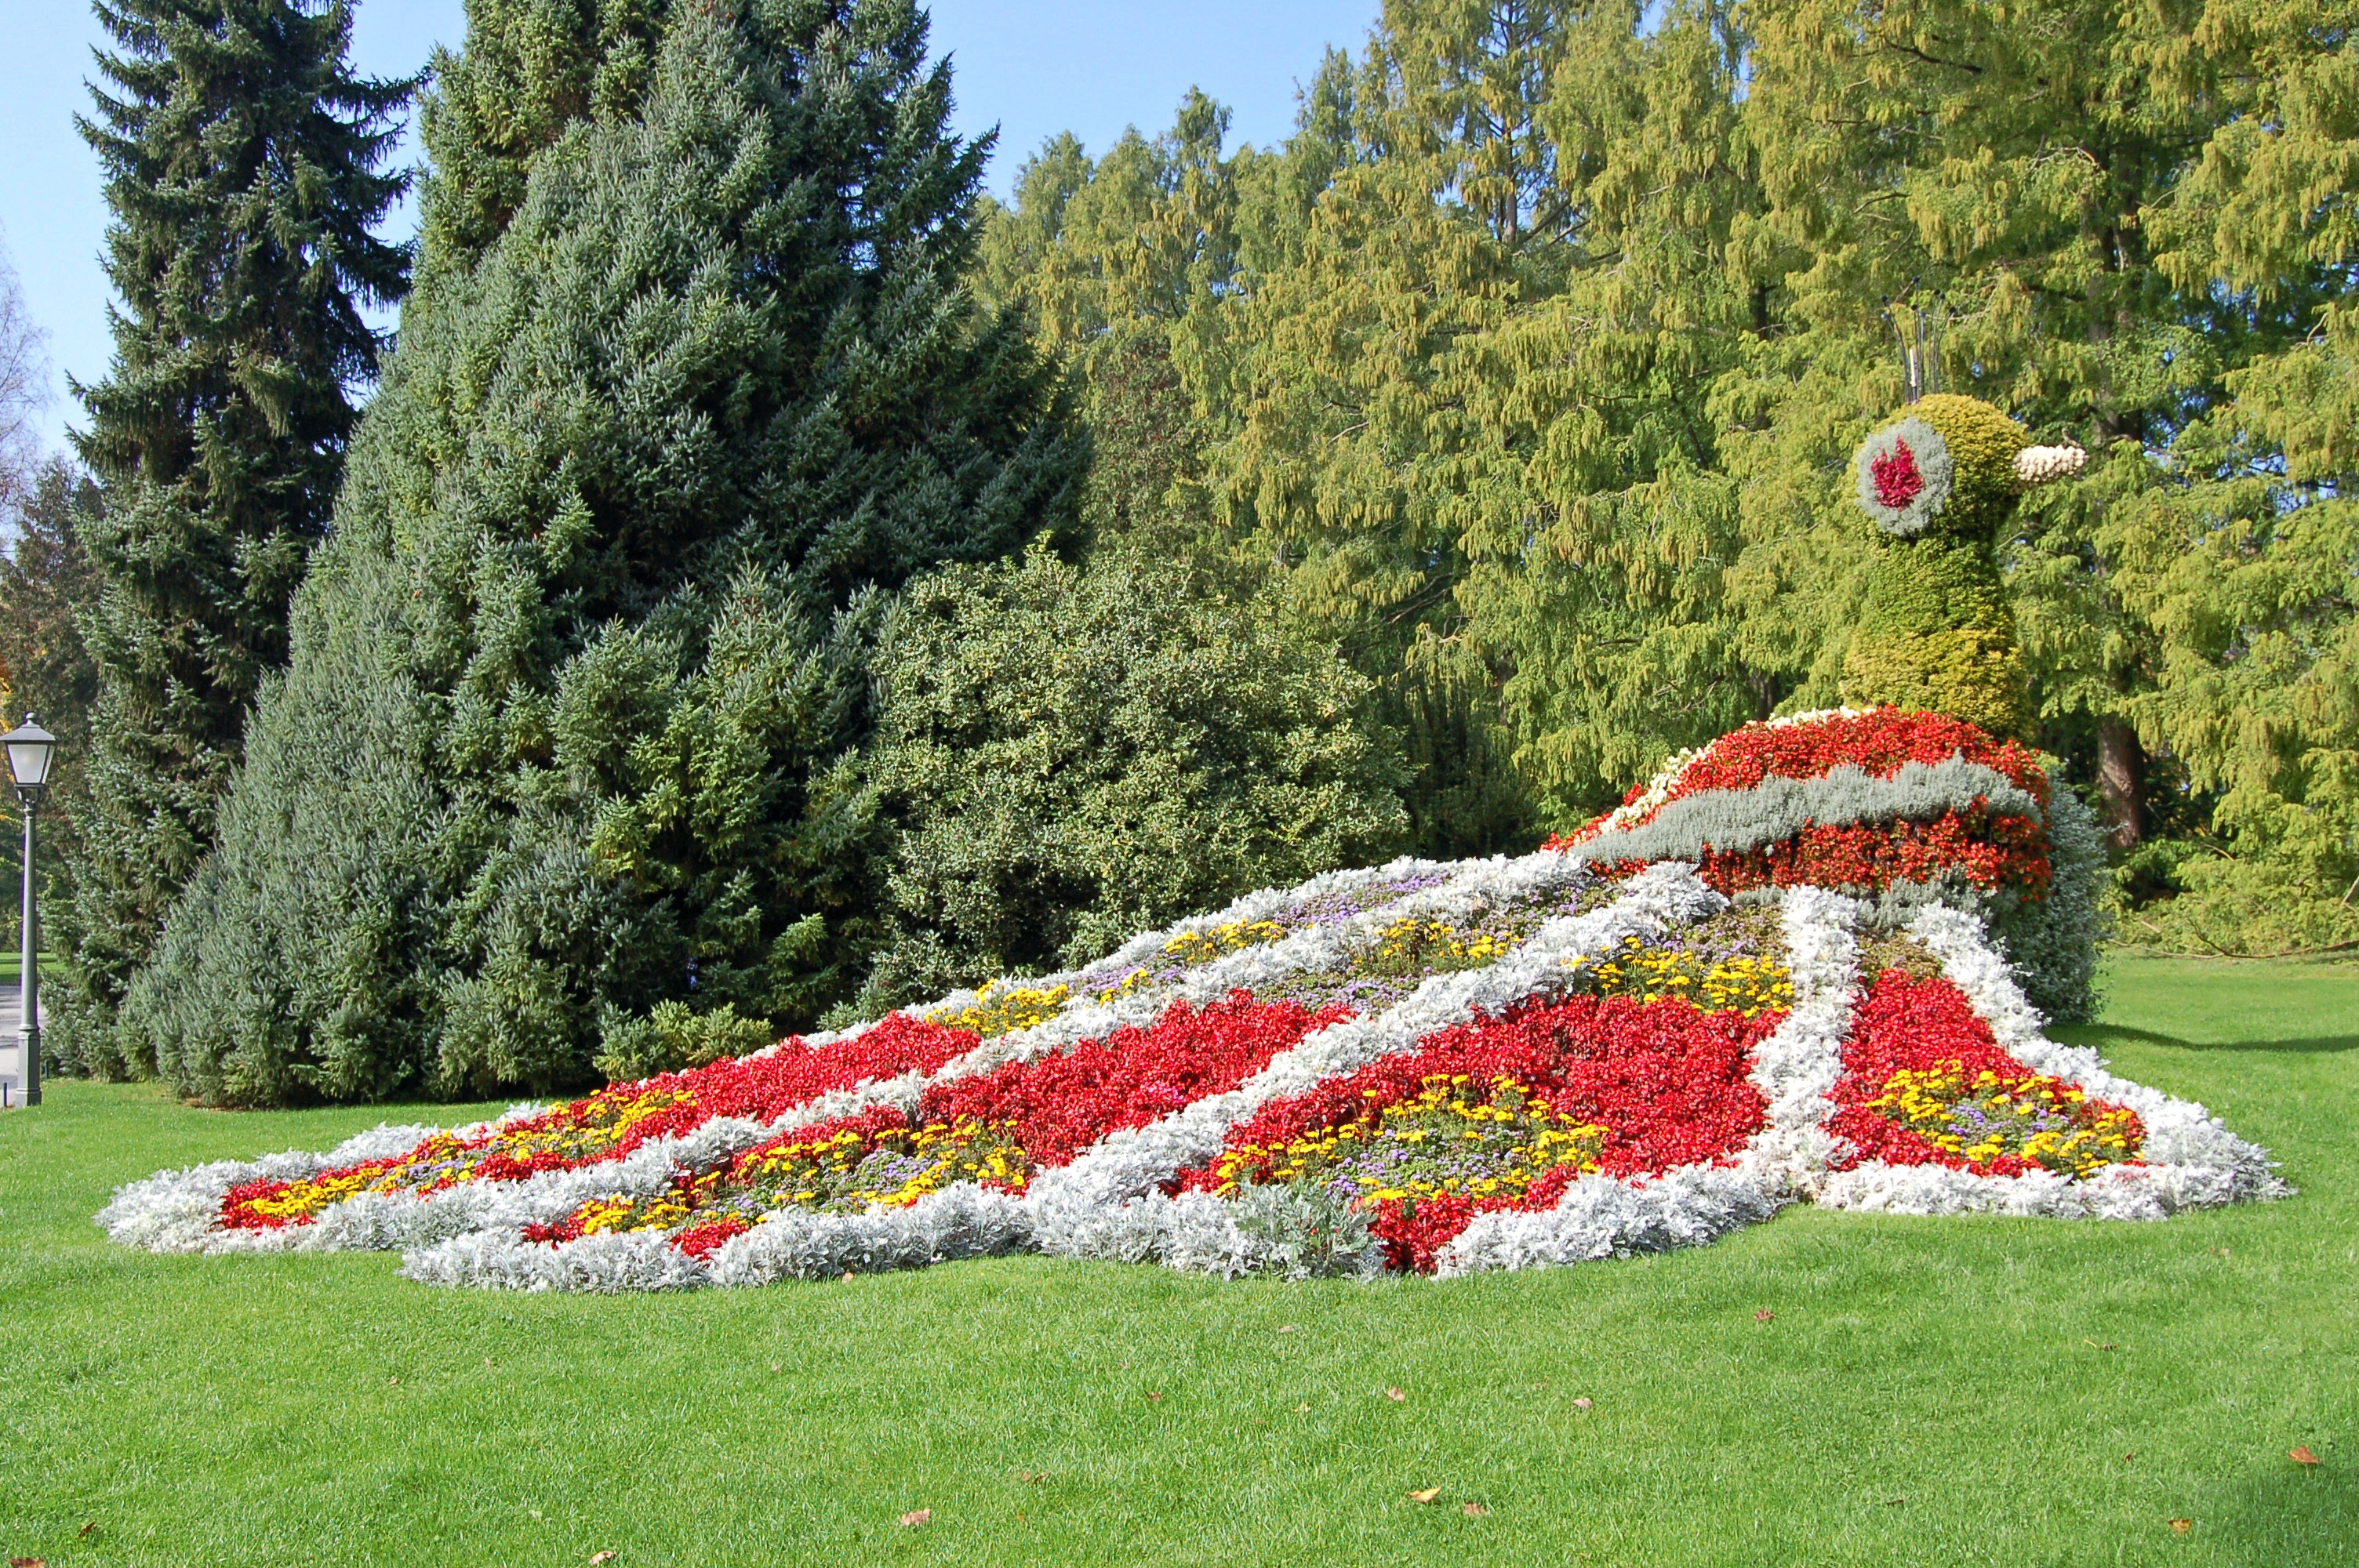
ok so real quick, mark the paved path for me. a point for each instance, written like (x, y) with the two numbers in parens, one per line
(12, 1070)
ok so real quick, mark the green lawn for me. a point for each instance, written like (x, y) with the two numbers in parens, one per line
(1927, 1392)
(12, 968)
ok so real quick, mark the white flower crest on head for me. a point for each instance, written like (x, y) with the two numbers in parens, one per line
(1904, 476)
(2035, 466)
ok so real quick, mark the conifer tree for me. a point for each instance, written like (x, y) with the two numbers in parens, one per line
(531, 69)
(1120, 266)
(2241, 561)
(1252, 331)
(46, 586)
(244, 169)
(566, 732)
(1553, 329)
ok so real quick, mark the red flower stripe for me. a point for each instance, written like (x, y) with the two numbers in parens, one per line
(760, 1088)
(1666, 1081)
(1055, 1106)
(1901, 1023)
(1879, 741)
(1058, 1106)
(1990, 851)
(615, 1120)
(703, 1241)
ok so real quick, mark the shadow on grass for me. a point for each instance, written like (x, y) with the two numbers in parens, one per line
(2278, 1506)
(2101, 1035)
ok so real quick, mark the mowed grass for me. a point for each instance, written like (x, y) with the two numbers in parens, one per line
(1927, 1392)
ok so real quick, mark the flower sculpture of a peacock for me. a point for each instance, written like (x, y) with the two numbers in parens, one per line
(1801, 964)
(1937, 633)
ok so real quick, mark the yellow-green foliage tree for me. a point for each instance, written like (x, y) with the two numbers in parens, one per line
(1543, 348)
(2241, 558)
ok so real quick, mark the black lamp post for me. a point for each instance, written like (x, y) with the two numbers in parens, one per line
(29, 750)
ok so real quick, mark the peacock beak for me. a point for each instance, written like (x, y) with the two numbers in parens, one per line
(2035, 466)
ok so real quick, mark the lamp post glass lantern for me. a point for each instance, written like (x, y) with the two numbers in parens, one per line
(30, 747)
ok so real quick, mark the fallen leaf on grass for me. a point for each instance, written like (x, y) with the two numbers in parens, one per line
(390, 1381)
(28, 1563)
(1475, 1510)
(2094, 1345)
(1765, 1315)
(1427, 1496)
(1155, 1399)
(1395, 1395)
(1583, 1402)
(1894, 1502)
(598, 1557)
(847, 1276)
(2303, 1455)
(916, 1518)
(1303, 1409)
(86, 1531)
(2182, 1526)
(2130, 1455)
(1286, 1328)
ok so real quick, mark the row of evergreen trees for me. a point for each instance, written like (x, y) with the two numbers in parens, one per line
(598, 728)
(772, 580)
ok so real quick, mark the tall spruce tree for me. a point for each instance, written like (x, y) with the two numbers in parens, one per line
(244, 167)
(566, 730)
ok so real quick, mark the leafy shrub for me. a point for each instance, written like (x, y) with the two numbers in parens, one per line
(1308, 1233)
(1073, 756)
(672, 1036)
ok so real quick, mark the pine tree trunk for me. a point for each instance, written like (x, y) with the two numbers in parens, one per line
(2121, 779)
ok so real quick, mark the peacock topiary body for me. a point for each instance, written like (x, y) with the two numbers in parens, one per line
(1936, 632)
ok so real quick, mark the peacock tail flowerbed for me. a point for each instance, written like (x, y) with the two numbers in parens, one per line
(1765, 978)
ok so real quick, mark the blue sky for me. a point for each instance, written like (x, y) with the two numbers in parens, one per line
(1032, 67)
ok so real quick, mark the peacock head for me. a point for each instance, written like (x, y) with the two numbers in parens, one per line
(1952, 466)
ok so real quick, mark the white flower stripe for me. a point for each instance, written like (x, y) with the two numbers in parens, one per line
(1777, 808)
